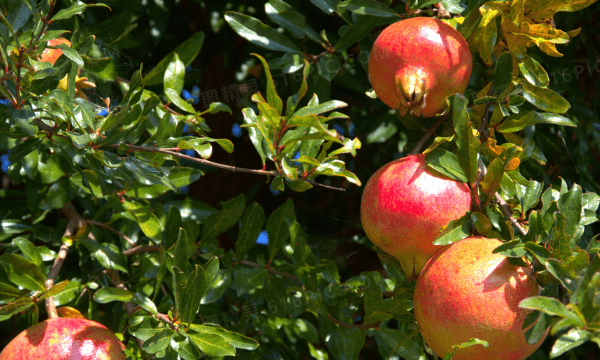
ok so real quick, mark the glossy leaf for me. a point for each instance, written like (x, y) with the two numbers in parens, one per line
(491, 181)
(503, 74)
(277, 228)
(368, 7)
(109, 294)
(218, 222)
(456, 348)
(568, 341)
(468, 145)
(446, 163)
(211, 344)
(187, 52)
(455, 230)
(258, 33)
(23, 272)
(545, 99)
(175, 74)
(251, 225)
(533, 72)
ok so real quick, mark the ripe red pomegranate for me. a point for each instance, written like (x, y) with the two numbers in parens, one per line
(404, 207)
(51, 55)
(415, 64)
(65, 339)
(465, 291)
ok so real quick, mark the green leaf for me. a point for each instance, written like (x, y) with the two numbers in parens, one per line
(23, 272)
(146, 220)
(195, 290)
(343, 343)
(455, 230)
(77, 8)
(238, 340)
(216, 107)
(456, 348)
(503, 74)
(285, 16)
(174, 74)
(570, 204)
(445, 163)
(545, 99)
(218, 222)
(211, 344)
(29, 250)
(533, 72)
(258, 140)
(532, 195)
(277, 229)
(109, 294)
(549, 306)
(563, 273)
(24, 148)
(108, 255)
(174, 97)
(249, 279)
(361, 28)
(15, 307)
(71, 54)
(258, 33)
(144, 327)
(158, 342)
(468, 145)
(482, 223)
(272, 98)
(187, 51)
(515, 249)
(182, 251)
(294, 100)
(491, 181)
(568, 341)
(486, 35)
(328, 66)
(9, 292)
(368, 7)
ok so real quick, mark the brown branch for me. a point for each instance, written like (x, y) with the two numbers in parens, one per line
(214, 164)
(72, 226)
(197, 160)
(110, 228)
(361, 327)
(142, 249)
(508, 214)
(428, 134)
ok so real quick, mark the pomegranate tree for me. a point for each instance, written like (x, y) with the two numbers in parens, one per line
(415, 64)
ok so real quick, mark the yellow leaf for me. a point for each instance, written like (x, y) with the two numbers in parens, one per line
(517, 9)
(513, 164)
(487, 33)
(541, 10)
(550, 49)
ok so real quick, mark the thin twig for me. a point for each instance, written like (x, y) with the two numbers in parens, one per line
(110, 228)
(214, 164)
(141, 250)
(508, 214)
(269, 269)
(361, 327)
(428, 134)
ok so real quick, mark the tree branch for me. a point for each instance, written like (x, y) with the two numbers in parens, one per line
(142, 249)
(508, 214)
(428, 134)
(110, 228)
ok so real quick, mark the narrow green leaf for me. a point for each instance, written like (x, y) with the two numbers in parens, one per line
(23, 272)
(174, 74)
(456, 348)
(29, 250)
(187, 51)
(218, 222)
(258, 33)
(568, 341)
(533, 72)
(445, 163)
(455, 230)
(77, 8)
(545, 99)
(277, 228)
(503, 74)
(195, 290)
(468, 145)
(211, 344)
(368, 7)
(109, 294)
(272, 98)
(15, 307)
(491, 181)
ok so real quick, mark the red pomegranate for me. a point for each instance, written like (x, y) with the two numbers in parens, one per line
(65, 339)
(415, 64)
(465, 291)
(404, 207)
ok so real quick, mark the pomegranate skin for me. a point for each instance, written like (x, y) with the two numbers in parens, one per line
(65, 339)
(465, 291)
(415, 64)
(404, 207)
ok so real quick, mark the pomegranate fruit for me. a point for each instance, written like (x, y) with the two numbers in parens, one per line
(404, 207)
(415, 64)
(65, 338)
(465, 291)
(51, 55)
